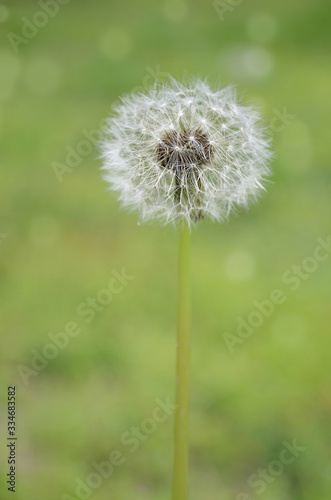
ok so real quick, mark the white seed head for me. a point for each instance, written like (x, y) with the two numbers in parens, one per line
(180, 152)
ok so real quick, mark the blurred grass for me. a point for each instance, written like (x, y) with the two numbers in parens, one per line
(64, 239)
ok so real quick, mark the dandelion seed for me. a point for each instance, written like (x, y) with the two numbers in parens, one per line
(185, 162)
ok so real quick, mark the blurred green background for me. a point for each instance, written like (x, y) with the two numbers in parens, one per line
(61, 241)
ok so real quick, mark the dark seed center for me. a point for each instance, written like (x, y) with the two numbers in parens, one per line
(184, 149)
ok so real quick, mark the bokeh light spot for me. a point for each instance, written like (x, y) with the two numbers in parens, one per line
(116, 44)
(4, 13)
(239, 266)
(43, 76)
(248, 62)
(175, 10)
(9, 71)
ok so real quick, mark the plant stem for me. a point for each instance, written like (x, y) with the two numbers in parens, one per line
(182, 369)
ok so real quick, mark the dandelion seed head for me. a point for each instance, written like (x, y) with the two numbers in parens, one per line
(184, 151)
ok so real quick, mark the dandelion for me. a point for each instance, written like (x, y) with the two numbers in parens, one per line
(182, 152)
(179, 153)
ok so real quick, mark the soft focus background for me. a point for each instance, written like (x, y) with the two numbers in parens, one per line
(63, 235)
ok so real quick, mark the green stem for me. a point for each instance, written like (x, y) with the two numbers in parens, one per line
(183, 369)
